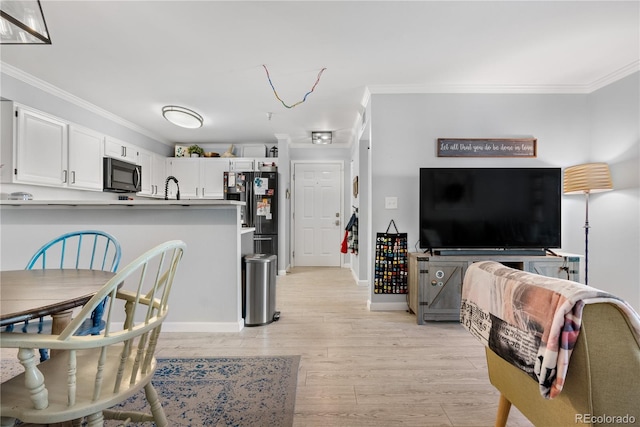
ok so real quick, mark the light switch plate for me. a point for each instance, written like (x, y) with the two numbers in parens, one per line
(391, 203)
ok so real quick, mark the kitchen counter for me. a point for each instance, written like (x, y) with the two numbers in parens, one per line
(121, 203)
(209, 278)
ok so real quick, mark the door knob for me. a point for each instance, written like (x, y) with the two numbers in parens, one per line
(337, 222)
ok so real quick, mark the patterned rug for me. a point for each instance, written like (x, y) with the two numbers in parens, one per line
(227, 391)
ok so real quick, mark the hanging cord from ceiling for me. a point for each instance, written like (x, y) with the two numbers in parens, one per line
(305, 95)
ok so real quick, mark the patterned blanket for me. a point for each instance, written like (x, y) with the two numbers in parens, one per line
(531, 321)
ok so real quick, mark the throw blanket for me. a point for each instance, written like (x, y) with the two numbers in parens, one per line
(529, 320)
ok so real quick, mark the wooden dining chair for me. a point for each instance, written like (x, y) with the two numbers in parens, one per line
(86, 249)
(97, 372)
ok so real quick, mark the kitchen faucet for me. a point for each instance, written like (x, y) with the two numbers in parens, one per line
(166, 187)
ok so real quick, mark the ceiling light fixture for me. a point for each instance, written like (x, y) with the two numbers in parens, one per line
(22, 22)
(324, 137)
(182, 117)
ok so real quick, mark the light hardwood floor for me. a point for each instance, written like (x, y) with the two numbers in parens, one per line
(361, 368)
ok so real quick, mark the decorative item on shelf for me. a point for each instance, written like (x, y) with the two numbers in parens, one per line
(274, 151)
(211, 154)
(229, 152)
(196, 151)
(585, 179)
(181, 151)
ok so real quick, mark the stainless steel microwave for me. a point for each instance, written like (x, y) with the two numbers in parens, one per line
(121, 177)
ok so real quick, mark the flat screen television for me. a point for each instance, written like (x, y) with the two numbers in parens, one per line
(490, 208)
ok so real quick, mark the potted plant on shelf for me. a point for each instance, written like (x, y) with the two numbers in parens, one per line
(195, 151)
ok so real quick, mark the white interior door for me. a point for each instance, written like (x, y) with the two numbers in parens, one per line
(317, 214)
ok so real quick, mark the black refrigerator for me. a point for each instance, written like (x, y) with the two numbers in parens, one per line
(260, 192)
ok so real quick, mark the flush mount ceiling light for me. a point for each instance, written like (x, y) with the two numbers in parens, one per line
(22, 22)
(182, 117)
(323, 137)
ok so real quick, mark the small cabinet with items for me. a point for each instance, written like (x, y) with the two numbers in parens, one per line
(435, 281)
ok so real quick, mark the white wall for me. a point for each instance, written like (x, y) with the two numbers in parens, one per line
(403, 139)
(614, 217)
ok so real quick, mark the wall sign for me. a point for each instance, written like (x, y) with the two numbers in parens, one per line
(496, 147)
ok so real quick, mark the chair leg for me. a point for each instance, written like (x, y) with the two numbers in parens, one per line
(156, 408)
(95, 420)
(504, 406)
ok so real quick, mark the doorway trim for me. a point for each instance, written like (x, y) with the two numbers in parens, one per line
(292, 227)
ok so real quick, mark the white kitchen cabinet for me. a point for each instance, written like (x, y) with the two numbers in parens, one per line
(120, 150)
(50, 151)
(246, 164)
(264, 163)
(212, 176)
(158, 174)
(242, 165)
(153, 173)
(40, 151)
(85, 158)
(199, 178)
(145, 160)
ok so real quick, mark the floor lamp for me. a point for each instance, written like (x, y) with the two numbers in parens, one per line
(586, 179)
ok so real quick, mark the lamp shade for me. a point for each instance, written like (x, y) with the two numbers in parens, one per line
(182, 117)
(587, 178)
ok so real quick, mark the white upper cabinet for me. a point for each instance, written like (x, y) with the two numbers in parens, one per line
(199, 178)
(153, 173)
(212, 177)
(40, 152)
(120, 150)
(242, 165)
(49, 151)
(85, 158)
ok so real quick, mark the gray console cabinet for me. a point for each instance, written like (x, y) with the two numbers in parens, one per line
(435, 281)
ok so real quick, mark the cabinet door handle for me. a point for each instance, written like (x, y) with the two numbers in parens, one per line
(202, 191)
(73, 177)
(124, 151)
(64, 176)
(196, 191)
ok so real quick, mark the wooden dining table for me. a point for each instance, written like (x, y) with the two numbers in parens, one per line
(31, 294)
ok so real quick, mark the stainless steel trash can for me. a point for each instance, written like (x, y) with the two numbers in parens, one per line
(259, 290)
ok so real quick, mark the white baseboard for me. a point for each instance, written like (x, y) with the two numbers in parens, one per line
(358, 281)
(282, 272)
(387, 306)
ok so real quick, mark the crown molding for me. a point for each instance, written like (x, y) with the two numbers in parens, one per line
(615, 76)
(478, 89)
(31, 80)
(507, 89)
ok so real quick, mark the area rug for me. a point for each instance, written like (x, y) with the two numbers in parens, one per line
(227, 391)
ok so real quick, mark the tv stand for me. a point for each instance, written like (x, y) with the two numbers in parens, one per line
(435, 281)
(490, 252)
